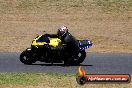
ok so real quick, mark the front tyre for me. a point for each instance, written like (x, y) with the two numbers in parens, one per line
(76, 60)
(81, 56)
(26, 57)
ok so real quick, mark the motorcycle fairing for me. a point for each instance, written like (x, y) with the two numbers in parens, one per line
(42, 40)
(54, 42)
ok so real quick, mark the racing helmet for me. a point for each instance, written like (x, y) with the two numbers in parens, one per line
(62, 31)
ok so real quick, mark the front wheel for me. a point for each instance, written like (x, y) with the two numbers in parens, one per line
(81, 56)
(26, 57)
(76, 60)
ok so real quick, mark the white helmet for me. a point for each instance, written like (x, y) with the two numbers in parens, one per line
(62, 30)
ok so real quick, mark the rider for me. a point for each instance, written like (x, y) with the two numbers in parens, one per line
(66, 38)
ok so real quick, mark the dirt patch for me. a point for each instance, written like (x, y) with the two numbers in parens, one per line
(109, 31)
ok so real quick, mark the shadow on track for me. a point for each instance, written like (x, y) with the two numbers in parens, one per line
(61, 65)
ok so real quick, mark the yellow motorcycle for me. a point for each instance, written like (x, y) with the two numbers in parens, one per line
(48, 50)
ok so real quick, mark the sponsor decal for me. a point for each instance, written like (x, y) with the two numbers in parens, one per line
(83, 78)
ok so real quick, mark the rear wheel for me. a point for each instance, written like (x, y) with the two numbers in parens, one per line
(26, 57)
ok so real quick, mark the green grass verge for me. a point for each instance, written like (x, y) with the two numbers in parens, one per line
(32, 78)
(50, 80)
(19, 78)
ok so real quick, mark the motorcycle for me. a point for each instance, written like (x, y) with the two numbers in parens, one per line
(46, 49)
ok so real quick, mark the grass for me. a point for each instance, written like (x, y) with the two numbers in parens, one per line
(31, 78)
(19, 78)
(61, 5)
(115, 5)
(106, 22)
(37, 80)
(38, 5)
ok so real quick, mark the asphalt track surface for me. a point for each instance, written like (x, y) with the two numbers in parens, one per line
(94, 63)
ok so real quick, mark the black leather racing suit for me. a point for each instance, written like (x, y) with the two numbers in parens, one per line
(71, 43)
(67, 39)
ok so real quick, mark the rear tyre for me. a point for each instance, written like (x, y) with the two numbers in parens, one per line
(26, 57)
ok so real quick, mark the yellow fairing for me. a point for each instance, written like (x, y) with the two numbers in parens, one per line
(53, 42)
